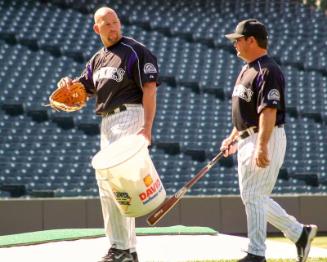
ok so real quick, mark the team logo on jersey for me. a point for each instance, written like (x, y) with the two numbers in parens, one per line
(242, 92)
(109, 72)
(274, 95)
(149, 69)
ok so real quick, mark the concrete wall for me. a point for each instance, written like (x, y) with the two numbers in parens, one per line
(224, 214)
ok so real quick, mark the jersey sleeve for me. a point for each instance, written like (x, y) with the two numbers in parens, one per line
(271, 90)
(145, 68)
(86, 78)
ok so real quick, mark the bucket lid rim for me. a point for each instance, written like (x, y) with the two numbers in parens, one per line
(143, 142)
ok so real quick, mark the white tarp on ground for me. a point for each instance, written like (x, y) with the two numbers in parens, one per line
(168, 248)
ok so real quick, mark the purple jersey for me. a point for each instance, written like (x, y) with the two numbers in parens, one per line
(260, 84)
(116, 74)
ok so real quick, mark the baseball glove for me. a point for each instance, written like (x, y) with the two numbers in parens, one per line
(69, 99)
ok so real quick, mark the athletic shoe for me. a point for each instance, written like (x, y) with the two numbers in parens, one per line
(118, 255)
(135, 258)
(304, 243)
(252, 258)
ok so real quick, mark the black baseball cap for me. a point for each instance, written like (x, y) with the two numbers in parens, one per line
(249, 27)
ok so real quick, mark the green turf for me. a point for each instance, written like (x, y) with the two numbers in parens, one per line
(48, 236)
(320, 241)
(73, 234)
(175, 230)
(268, 260)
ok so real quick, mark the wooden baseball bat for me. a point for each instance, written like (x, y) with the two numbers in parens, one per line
(161, 211)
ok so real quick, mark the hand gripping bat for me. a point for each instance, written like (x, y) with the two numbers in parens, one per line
(162, 210)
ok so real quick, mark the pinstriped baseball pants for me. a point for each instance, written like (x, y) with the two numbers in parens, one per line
(119, 229)
(256, 185)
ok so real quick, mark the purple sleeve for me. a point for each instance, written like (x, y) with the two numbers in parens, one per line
(145, 68)
(87, 80)
(270, 86)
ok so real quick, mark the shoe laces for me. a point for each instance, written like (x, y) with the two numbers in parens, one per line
(113, 253)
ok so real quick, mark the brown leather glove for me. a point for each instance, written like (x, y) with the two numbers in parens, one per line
(69, 99)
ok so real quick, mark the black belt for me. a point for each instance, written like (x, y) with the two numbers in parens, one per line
(249, 131)
(252, 130)
(118, 109)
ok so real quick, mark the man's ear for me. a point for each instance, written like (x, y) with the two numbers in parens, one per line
(96, 29)
(253, 40)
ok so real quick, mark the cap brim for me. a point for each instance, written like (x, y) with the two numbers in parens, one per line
(233, 36)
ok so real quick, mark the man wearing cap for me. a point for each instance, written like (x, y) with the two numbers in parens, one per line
(258, 114)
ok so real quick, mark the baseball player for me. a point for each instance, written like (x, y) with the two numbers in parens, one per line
(258, 114)
(123, 76)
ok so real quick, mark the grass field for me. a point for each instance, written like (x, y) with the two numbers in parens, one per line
(320, 242)
(270, 260)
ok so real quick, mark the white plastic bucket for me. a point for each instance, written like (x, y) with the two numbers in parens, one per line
(134, 181)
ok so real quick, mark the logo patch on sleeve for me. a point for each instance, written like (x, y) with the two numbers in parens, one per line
(149, 69)
(274, 95)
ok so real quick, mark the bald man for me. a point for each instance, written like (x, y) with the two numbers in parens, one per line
(123, 76)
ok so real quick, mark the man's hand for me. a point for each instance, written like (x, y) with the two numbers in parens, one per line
(261, 156)
(228, 147)
(64, 82)
(146, 132)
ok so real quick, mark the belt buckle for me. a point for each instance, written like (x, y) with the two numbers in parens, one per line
(247, 132)
(244, 134)
(116, 110)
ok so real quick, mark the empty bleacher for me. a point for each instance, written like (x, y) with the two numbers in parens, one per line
(49, 152)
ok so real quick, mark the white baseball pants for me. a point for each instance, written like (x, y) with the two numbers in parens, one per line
(119, 229)
(256, 185)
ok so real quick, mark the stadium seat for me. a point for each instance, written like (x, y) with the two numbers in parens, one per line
(198, 67)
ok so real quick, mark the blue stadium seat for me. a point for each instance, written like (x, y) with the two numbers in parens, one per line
(198, 67)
